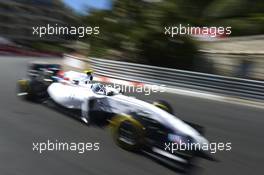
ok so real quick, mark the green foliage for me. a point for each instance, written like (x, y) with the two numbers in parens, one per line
(134, 29)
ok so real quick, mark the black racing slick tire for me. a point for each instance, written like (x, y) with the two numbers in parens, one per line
(35, 91)
(38, 91)
(128, 133)
(128, 136)
(164, 106)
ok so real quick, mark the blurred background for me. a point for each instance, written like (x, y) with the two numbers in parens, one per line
(133, 30)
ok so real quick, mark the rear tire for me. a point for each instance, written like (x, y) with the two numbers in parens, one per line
(33, 90)
(23, 89)
(38, 91)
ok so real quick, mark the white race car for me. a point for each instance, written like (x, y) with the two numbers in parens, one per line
(136, 124)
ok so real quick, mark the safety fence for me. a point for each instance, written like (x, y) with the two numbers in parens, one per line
(173, 78)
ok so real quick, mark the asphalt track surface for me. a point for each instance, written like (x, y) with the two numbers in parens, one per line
(22, 123)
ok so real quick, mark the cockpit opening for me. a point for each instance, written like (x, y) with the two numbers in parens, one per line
(99, 88)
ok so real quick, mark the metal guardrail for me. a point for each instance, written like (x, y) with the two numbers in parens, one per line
(173, 78)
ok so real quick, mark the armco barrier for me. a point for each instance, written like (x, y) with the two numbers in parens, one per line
(173, 78)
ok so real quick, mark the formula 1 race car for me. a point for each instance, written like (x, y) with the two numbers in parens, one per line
(136, 125)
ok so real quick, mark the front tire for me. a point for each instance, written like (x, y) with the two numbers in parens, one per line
(128, 136)
(164, 106)
(127, 132)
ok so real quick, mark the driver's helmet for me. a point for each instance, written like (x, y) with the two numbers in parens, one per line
(88, 72)
(99, 88)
